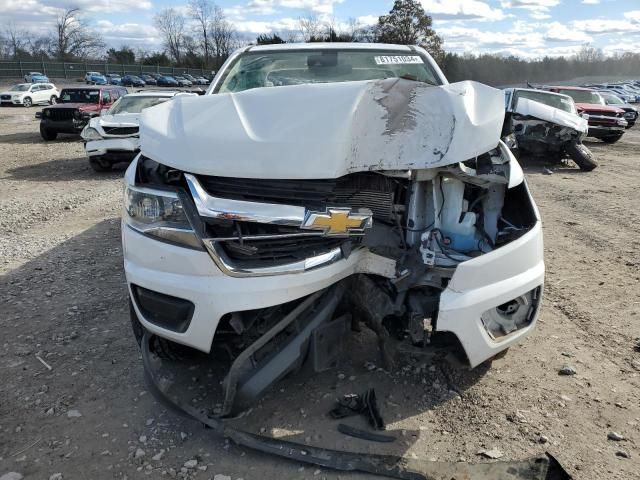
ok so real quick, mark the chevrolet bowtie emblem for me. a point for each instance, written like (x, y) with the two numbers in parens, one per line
(339, 221)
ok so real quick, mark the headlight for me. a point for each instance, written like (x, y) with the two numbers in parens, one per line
(47, 113)
(159, 214)
(90, 133)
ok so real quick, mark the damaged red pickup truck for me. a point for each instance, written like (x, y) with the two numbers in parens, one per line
(605, 122)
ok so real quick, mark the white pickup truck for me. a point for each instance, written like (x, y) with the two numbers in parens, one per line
(317, 185)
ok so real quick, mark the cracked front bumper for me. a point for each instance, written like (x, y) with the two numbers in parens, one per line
(113, 145)
(477, 285)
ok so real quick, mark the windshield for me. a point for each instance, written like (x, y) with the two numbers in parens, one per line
(296, 67)
(70, 95)
(584, 96)
(135, 104)
(555, 101)
(23, 87)
(612, 99)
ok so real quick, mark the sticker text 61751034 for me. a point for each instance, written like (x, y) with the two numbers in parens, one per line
(397, 59)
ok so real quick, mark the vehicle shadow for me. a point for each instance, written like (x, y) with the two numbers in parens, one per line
(64, 170)
(29, 138)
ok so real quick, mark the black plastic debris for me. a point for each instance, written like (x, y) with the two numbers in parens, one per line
(364, 435)
(543, 467)
(365, 404)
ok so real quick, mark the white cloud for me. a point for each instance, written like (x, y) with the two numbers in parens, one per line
(102, 6)
(461, 10)
(558, 32)
(620, 47)
(606, 26)
(539, 15)
(259, 27)
(315, 6)
(530, 4)
(133, 34)
(471, 39)
(591, 2)
(366, 20)
(633, 15)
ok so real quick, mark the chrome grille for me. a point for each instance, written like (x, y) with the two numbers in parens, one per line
(120, 130)
(357, 190)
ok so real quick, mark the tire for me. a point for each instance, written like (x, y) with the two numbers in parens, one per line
(582, 156)
(612, 139)
(27, 102)
(99, 164)
(53, 100)
(48, 135)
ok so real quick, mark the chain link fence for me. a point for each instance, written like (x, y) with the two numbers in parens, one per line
(18, 69)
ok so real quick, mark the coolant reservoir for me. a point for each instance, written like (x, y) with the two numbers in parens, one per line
(456, 223)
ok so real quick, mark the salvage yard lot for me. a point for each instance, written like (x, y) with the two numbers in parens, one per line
(64, 301)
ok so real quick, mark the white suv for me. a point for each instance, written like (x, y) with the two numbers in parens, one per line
(28, 94)
(113, 136)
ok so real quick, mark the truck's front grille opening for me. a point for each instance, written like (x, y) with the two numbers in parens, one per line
(284, 250)
(59, 114)
(120, 130)
(358, 190)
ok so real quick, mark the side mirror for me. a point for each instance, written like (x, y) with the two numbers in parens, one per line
(585, 116)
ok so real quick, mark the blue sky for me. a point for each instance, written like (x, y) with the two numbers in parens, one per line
(528, 28)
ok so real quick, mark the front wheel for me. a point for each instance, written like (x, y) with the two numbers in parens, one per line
(100, 164)
(612, 139)
(47, 134)
(582, 156)
(27, 102)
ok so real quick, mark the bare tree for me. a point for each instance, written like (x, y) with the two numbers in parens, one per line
(202, 11)
(589, 54)
(171, 24)
(354, 29)
(310, 27)
(40, 46)
(73, 38)
(15, 41)
(222, 34)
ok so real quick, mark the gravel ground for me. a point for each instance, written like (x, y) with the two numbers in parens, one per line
(64, 301)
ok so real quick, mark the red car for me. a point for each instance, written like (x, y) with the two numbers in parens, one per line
(605, 122)
(74, 109)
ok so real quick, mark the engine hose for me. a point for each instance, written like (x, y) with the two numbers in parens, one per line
(543, 467)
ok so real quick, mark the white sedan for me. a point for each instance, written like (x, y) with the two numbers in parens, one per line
(28, 94)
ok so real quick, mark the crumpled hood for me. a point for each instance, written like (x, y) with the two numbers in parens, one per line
(120, 120)
(594, 107)
(324, 130)
(531, 108)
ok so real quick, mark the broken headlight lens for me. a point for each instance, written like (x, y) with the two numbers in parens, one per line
(159, 214)
(90, 133)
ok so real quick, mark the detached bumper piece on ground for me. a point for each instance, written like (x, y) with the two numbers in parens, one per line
(543, 467)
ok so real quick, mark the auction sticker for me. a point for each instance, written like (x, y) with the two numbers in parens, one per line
(397, 59)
